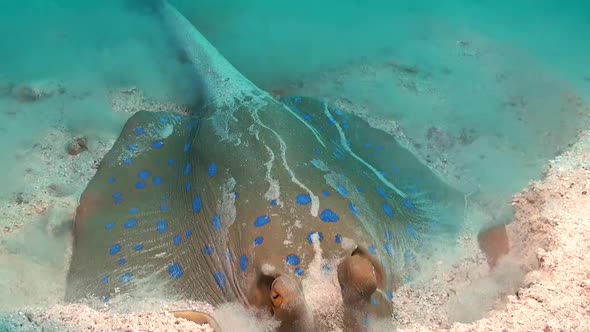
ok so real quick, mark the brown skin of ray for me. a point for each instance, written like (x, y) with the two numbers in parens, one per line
(89, 207)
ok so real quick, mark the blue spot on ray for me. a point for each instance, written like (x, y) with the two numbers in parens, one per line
(128, 161)
(144, 175)
(131, 223)
(303, 199)
(187, 147)
(273, 202)
(122, 261)
(299, 271)
(138, 247)
(329, 216)
(162, 226)
(261, 221)
(125, 278)
(320, 237)
(382, 193)
(105, 280)
(372, 250)
(216, 223)
(409, 205)
(115, 249)
(134, 210)
(140, 185)
(338, 238)
(188, 187)
(139, 131)
(388, 210)
(177, 240)
(244, 263)
(187, 169)
(326, 193)
(212, 171)
(208, 250)
(164, 208)
(158, 144)
(342, 190)
(175, 271)
(197, 204)
(389, 248)
(219, 279)
(132, 147)
(117, 195)
(157, 180)
(411, 232)
(258, 241)
(112, 180)
(109, 226)
(292, 260)
(188, 233)
(236, 195)
(354, 209)
(170, 162)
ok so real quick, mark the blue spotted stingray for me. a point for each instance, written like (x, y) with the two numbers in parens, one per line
(216, 204)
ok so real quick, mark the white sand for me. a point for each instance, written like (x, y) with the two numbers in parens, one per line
(551, 231)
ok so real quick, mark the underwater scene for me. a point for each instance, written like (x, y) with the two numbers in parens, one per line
(353, 165)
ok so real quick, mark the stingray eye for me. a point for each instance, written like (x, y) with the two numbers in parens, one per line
(276, 300)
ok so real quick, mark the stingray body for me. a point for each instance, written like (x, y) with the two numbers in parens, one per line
(220, 204)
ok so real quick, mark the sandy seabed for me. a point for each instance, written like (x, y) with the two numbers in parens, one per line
(543, 284)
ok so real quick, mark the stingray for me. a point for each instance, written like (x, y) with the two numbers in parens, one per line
(233, 202)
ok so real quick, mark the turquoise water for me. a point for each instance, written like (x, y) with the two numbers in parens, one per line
(527, 51)
(507, 84)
